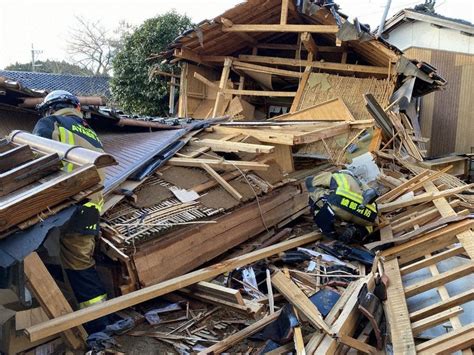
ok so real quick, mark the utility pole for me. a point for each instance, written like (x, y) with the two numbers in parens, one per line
(34, 52)
(384, 17)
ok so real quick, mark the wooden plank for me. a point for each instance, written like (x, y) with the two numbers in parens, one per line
(428, 243)
(259, 93)
(283, 156)
(264, 69)
(219, 106)
(263, 135)
(331, 110)
(284, 12)
(183, 91)
(436, 258)
(319, 65)
(217, 145)
(281, 28)
(47, 292)
(29, 317)
(400, 189)
(298, 299)
(443, 305)
(425, 197)
(196, 162)
(225, 293)
(28, 173)
(434, 320)
(235, 338)
(357, 344)
(204, 80)
(164, 258)
(16, 208)
(16, 156)
(440, 279)
(462, 338)
(396, 311)
(233, 192)
(301, 88)
(74, 319)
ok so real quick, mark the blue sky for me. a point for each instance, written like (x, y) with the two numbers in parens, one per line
(46, 23)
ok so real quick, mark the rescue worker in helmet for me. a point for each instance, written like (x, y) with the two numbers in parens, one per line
(342, 207)
(64, 122)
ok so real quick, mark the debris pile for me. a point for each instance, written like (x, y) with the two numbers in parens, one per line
(207, 242)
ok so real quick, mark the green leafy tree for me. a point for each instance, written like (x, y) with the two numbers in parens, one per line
(133, 88)
(51, 66)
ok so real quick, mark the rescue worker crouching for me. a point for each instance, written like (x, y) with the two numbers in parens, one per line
(342, 207)
(63, 122)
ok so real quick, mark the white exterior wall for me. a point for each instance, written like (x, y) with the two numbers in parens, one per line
(424, 35)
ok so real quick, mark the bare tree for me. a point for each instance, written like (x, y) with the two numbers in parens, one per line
(91, 46)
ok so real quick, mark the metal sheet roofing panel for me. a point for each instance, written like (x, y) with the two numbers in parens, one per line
(133, 151)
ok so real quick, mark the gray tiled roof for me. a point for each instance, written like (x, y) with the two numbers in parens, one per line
(75, 84)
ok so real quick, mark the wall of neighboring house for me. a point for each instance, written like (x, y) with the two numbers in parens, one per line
(12, 118)
(446, 116)
(425, 35)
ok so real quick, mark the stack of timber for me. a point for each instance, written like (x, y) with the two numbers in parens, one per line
(33, 183)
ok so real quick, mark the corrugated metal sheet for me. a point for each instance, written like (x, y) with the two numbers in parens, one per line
(134, 151)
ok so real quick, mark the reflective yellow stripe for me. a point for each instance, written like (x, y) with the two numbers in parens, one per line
(71, 137)
(354, 197)
(99, 205)
(98, 299)
(62, 134)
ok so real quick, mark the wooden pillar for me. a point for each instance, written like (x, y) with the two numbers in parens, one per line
(219, 106)
(172, 96)
(51, 299)
(284, 12)
(183, 86)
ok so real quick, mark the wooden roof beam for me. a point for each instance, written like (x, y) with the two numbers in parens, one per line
(281, 28)
(226, 23)
(309, 43)
(320, 65)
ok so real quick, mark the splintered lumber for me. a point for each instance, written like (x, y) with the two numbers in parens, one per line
(235, 338)
(301, 88)
(27, 173)
(357, 344)
(299, 300)
(225, 293)
(68, 321)
(219, 106)
(217, 145)
(434, 320)
(459, 339)
(264, 69)
(400, 189)
(234, 193)
(77, 155)
(18, 207)
(425, 197)
(309, 43)
(48, 294)
(281, 28)
(428, 243)
(205, 81)
(164, 258)
(439, 280)
(396, 311)
(15, 156)
(220, 163)
(345, 324)
(259, 93)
